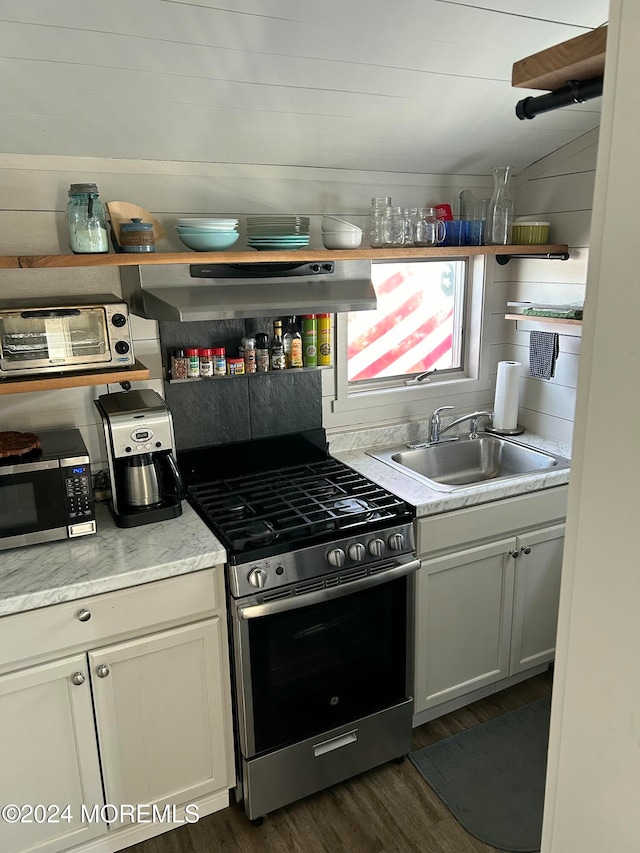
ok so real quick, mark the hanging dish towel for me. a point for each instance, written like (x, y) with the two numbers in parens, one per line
(543, 352)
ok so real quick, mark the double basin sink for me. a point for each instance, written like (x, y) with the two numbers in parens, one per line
(467, 462)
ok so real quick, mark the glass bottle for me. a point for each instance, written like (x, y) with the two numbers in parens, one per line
(292, 340)
(86, 220)
(378, 209)
(277, 347)
(499, 209)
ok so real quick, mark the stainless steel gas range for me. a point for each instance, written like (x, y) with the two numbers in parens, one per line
(320, 585)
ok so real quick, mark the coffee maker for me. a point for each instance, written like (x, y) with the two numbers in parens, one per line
(146, 485)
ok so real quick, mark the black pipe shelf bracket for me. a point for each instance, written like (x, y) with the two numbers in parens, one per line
(549, 256)
(575, 92)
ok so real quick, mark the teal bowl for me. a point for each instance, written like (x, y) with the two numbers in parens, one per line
(211, 241)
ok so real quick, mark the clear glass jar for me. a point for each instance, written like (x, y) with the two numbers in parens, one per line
(86, 220)
(429, 230)
(500, 208)
(393, 227)
(378, 209)
(410, 223)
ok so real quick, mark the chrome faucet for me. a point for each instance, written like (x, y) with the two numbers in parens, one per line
(435, 424)
(436, 429)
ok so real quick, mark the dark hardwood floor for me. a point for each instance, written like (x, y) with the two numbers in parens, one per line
(388, 810)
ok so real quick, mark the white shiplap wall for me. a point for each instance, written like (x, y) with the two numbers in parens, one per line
(559, 189)
(33, 196)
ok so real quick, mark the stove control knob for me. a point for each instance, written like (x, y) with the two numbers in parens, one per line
(376, 547)
(356, 552)
(396, 541)
(336, 557)
(257, 577)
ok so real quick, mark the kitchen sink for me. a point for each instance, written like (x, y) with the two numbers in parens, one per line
(468, 462)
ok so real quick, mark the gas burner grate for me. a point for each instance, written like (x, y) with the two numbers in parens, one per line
(291, 504)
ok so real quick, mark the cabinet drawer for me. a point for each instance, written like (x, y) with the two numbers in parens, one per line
(57, 629)
(450, 530)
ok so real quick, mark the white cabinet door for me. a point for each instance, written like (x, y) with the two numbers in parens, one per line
(48, 756)
(536, 597)
(463, 622)
(161, 711)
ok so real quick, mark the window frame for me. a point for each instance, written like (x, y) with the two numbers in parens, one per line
(405, 399)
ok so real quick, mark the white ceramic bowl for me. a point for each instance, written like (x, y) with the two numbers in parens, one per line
(331, 224)
(207, 224)
(341, 239)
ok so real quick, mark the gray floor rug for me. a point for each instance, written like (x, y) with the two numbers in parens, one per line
(491, 777)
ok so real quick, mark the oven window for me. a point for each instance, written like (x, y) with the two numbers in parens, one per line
(327, 664)
(31, 502)
(17, 506)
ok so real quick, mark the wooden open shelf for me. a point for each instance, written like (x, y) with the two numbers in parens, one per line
(254, 257)
(530, 318)
(580, 58)
(77, 379)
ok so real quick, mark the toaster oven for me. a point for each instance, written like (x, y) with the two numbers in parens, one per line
(64, 335)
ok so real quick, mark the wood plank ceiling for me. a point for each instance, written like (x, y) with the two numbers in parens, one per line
(412, 86)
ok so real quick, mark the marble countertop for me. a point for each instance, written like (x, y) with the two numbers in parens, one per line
(114, 558)
(428, 501)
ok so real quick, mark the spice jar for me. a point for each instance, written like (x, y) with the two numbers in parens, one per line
(86, 220)
(193, 363)
(137, 236)
(262, 353)
(249, 354)
(206, 362)
(219, 361)
(235, 366)
(178, 364)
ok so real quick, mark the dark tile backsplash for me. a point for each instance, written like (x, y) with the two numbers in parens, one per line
(220, 411)
(287, 402)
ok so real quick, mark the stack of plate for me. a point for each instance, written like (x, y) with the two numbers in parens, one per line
(212, 234)
(277, 232)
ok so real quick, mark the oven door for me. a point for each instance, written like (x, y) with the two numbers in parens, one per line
(32, 504)
(54, 338)
(307, 663)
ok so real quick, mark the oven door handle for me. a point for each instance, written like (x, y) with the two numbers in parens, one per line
(257, 611)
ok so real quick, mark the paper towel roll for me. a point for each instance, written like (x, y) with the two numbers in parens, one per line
(505, 406)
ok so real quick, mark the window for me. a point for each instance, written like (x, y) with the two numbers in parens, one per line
(417, 326)
(431, 314)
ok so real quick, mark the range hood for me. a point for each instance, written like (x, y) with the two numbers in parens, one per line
(186, 293)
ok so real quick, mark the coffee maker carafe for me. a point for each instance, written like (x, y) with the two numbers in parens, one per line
(146, 485)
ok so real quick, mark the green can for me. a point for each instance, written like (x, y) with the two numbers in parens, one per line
(309, 340)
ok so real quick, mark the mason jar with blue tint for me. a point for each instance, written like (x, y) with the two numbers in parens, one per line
(86, 220)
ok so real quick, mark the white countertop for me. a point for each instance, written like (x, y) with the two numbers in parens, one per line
(113, 558)
(428, 501)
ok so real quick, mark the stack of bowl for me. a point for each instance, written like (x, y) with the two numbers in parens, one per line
(340, 234)
(212, 234)
(277, 232)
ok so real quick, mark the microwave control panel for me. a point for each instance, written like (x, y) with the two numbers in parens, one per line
(78, 493)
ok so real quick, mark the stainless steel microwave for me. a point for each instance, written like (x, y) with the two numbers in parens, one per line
(64, 335)
(46, 495)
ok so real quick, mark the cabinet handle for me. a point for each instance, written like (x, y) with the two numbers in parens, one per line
(514, 553)
(84, 615)
(78, 678)
(526, 549)
(103, 670)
